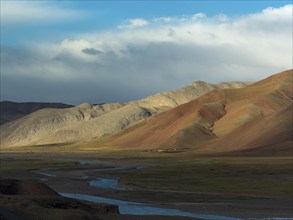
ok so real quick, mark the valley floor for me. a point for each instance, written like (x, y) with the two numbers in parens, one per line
(241, 187)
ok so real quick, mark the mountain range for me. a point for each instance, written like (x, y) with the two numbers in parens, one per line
(230, 116)
(85, 122)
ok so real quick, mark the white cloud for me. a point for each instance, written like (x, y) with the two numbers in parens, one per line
(134, 23)
(20, 12)
(164, 19)
(166, 53)
(287, 10)
(264, 38)
(198, 16)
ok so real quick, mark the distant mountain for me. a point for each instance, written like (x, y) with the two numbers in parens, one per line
(255, 118)
(87, 122)
(10, 111)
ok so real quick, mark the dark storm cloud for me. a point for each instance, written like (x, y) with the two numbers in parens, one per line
(91, 51)
(67, 79)
(155, 68)
(29, 88)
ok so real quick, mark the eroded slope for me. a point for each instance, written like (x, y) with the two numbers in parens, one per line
(222, 120)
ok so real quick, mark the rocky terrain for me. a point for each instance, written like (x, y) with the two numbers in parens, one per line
(87, 122)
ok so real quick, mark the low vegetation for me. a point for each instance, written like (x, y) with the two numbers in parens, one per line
(269, 176)
(182, 171)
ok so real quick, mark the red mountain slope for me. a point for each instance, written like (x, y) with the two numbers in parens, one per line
(222, 120)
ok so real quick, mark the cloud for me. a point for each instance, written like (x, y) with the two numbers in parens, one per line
(91, 51)
(131, 63)
(31, 12)
(164, 19)
(134, 23)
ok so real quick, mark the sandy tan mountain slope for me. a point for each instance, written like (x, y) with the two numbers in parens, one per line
(85, 122)
(222, 120)
(10, 111)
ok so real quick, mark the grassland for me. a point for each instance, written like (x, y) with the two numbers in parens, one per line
(186, 171)
(254, 176)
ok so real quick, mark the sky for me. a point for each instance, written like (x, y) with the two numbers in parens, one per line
(117, 51)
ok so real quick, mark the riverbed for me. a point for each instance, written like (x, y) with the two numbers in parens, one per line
(133, 208)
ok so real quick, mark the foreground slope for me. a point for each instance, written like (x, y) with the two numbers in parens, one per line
(223, 120)
(87, 122)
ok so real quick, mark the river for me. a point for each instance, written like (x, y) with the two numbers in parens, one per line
(133, 208)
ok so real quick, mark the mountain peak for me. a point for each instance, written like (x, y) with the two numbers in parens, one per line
(85, 105)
